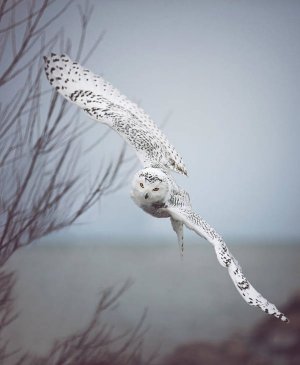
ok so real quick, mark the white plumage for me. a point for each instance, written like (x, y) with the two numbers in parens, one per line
(153, 188)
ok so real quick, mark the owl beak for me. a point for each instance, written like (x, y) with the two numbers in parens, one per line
(146, 196)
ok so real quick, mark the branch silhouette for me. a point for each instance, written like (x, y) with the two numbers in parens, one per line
(40, 176)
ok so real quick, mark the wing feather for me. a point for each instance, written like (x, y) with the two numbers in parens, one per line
(105, 103)
(194, 222)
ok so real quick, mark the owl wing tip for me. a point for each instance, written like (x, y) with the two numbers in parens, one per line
(283, 318)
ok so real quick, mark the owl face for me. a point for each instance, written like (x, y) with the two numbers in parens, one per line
(149, 186)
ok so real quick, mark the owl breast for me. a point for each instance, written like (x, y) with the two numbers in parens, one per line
(156, 210)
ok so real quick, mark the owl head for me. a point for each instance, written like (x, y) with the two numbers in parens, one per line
(150, 185)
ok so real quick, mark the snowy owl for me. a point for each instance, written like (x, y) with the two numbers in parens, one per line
(153, 188)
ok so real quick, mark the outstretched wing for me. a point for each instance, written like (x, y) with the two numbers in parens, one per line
(104, 103)
(194, 222)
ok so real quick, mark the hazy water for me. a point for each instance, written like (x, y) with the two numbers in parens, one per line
(58, 287)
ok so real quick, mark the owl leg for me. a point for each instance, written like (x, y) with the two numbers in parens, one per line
(178, 228)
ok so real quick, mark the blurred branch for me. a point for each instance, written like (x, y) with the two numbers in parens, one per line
(40, 150)
(33, 31)
(7, 281)
(97, 343)
(40, 176)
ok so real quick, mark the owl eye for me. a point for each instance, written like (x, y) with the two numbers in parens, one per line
(155, 189)
(141, 185)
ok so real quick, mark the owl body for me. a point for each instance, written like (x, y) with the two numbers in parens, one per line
(153, 188)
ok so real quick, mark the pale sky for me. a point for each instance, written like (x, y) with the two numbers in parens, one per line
(228, 71)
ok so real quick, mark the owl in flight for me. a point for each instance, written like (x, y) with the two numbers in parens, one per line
(153, 188)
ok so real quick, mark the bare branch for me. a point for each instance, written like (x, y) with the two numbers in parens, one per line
(97, 343)
(40, 176)
(38, 150)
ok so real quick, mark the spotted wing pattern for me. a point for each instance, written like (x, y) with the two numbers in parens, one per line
(102, 102)
(183, 212)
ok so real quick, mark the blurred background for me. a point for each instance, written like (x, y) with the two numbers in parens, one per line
(221, 78)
